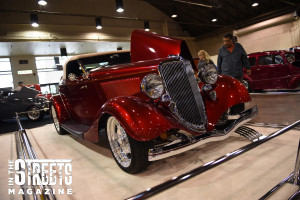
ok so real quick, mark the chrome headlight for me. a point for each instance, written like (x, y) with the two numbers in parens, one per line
(152, 86)
(209, 74)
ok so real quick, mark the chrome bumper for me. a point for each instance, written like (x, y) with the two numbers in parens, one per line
(193, 142)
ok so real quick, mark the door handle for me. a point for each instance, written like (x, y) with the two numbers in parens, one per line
(83, 87)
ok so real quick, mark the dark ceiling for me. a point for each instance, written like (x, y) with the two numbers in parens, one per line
(195, 16)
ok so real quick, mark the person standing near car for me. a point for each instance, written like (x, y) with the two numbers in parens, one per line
(204, 59)
(232, 58)
(20, 85)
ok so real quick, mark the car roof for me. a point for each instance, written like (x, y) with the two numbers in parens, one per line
(95, 54)
(263, 53)
(77, 57)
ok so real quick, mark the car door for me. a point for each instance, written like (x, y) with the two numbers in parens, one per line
(279, 72)
(82, 99)
(13, 102)
(7, 107)
(260, 72)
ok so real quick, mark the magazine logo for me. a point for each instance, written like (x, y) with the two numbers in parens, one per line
(41, 173)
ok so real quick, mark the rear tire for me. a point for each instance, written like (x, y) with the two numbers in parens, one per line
(131, 155)
(56, 122)
(35, 114)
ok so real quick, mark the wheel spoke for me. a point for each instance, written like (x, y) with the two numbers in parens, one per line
(119, 142)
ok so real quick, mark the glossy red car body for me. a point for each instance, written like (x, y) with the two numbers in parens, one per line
(142, 119)
(273, 70)
(98, 89)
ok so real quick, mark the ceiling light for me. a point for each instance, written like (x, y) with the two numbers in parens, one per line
(174, 16)
(34, 20)
(255, 3)
(119, 6)
(98, 23)
(42, 2)
(146, 26)
(214, 20)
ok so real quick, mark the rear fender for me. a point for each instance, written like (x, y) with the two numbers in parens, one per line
(62, 113)
(229, 92)
(294, 82)
(142, 120)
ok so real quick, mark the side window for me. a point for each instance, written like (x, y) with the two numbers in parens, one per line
(252, 61)
(73, 67)
(265, 60)
(278, 59)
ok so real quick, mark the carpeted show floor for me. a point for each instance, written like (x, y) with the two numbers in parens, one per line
(96, 175)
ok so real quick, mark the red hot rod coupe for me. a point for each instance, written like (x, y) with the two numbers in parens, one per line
(148, 100)
(273, 70)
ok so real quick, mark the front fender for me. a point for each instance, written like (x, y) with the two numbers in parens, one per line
(229, 92)
(142, 120)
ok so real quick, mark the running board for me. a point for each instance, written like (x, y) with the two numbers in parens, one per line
(74, 128)
(250, 133)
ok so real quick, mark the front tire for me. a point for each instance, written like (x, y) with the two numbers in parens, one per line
(35, 114)
(247, 85)
(56, 122)
(130, 155)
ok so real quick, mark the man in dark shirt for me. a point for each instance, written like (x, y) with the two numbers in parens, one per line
(232, 58)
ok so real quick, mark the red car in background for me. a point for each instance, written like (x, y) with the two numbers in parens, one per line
(273, 70)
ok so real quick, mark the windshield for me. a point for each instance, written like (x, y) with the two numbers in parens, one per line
(106, 60)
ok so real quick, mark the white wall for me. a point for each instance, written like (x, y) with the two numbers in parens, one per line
(278, 37)
(279, 33)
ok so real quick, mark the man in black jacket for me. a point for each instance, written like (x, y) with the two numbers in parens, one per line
(232, 58)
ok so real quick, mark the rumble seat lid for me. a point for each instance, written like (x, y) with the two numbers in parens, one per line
(148, 46)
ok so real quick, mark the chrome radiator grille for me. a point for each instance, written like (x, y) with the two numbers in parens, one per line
(182, 87)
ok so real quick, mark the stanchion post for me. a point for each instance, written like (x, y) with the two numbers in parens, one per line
(296, 178)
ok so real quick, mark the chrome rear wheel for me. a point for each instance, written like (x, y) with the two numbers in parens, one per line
(56, 122)
(35, 114)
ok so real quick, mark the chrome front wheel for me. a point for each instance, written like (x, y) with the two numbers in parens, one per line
(119, 142)
(130, 155)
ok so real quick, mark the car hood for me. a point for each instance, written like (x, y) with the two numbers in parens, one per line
(148, 46)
